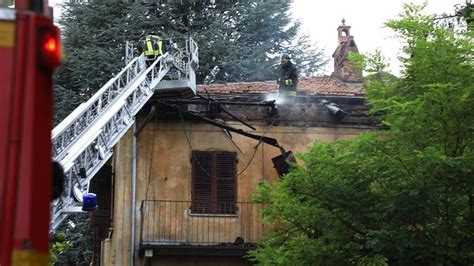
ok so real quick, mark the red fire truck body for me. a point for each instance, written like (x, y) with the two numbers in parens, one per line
(29, 52)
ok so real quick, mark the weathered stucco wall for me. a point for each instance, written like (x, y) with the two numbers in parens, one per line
(164, 155)
(164, 168)
(117, 249)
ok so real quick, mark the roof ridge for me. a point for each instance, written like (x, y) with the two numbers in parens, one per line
(315, 85)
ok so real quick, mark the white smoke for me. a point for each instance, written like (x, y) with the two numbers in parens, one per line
(276, 97)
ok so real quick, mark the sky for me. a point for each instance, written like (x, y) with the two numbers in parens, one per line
(320, 20)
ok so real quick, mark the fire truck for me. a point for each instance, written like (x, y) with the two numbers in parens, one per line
(29, 53)
(81, 144)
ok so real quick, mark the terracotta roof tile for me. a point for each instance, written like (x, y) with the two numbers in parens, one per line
(323, 85)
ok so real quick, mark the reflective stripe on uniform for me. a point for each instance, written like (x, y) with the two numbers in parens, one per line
(160, 47)
(149, 47)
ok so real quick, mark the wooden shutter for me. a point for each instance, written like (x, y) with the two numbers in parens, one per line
(226, 181)
(202, 182)
(214, 182)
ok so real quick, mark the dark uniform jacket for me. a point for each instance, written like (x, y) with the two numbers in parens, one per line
(288, 72)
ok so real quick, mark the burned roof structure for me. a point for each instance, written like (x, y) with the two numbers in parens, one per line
(337, 100)
(311, 106)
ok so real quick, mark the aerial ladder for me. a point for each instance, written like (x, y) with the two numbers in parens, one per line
(84, 141)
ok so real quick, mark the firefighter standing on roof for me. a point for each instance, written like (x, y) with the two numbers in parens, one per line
(288, 78)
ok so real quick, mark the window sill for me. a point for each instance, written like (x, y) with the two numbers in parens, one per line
(190, 214)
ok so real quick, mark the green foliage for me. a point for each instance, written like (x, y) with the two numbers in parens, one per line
(308, 58)
(402, 196)
(466, 13)
(72, 244)
(371, 63)
(58, 245)
(244, 37)
(94, 35)
(64, 101)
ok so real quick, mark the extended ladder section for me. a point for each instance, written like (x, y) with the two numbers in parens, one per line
(84, 141)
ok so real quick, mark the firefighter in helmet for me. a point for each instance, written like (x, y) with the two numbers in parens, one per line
(288, 78)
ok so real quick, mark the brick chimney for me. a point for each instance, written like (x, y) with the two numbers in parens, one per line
(342, 67)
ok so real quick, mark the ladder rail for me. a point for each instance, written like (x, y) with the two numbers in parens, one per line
(95, 146)
(124, 109)
(85, 140)
(71, 128)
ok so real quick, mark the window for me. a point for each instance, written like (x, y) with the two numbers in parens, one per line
(214, 182)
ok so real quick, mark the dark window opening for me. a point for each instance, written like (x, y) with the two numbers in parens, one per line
(214, 182)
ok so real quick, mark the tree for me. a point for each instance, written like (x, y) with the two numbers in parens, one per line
(245, 37)
(58, 245)
(401, 196)
(72, 244)
(94, 34)
(466, 13)
(64, 102)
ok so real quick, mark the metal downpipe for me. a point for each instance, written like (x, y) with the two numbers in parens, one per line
(133, 197)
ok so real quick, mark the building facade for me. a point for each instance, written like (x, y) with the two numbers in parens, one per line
(181, 182)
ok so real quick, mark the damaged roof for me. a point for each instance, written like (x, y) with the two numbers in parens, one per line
(324, 85)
